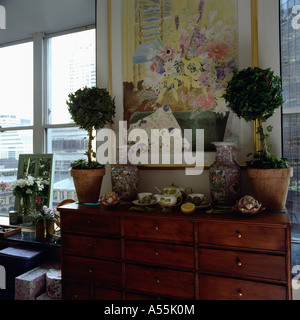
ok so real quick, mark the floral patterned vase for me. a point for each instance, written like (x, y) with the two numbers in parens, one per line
(124, 179)
(224, 176)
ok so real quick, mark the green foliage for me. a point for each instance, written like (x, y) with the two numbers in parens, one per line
(91, 109)
(83, 164)
(254, 93)
(262, 160)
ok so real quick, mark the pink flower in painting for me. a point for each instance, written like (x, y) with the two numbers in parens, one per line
(185, 97)
(203, 102)
(217, 49)
(167, 53)
(185, 42)
(204, 78)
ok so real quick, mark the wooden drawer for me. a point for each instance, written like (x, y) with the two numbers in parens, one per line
(242, 235)
(90, 224)
(219, 288)
(106, 294)
(160, 281)
(159, 229)
(242, 264)
(75, 291)
(161, 254)
(91, 247)
(92, 271)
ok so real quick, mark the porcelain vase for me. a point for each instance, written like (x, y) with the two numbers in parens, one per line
(224, 176)
(124, 179)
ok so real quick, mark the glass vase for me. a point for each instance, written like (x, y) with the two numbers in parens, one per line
(224, 176)
(26, 205)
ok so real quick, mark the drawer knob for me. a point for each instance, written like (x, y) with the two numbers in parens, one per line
(88, 221)
(156, 228)
(156, 252)
(157, 280)
(90, 270)
(238, 262)
(239, 235)
(75, 296)
(90, 245)
(240, 293)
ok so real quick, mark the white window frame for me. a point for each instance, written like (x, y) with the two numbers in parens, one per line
(41, 68)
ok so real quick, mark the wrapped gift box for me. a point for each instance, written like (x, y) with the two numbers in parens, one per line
(32, 284)
(53, 283)
(20, 257)
(17, 260)
(44, 296)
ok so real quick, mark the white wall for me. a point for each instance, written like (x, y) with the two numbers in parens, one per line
(268, 18)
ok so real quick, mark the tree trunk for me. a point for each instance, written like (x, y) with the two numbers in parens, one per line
(262, 136)
(90, 145)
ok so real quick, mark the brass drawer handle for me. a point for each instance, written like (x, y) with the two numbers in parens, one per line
(156, 228)
(239, 235)
(156, 252)
(238, 262)
(75, 295)
(90, 245)
(157, 280)
(90, 270)
(240, 293)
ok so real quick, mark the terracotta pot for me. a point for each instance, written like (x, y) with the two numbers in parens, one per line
(271, 186)
(88, 184)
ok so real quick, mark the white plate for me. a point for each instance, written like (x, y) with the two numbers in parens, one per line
(137, 203)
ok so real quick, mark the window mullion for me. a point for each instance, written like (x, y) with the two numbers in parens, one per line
(38, 96)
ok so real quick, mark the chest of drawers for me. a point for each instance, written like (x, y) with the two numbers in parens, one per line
(118, 254)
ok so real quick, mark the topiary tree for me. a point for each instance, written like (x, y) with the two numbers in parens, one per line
(91, 109)
(255, 94)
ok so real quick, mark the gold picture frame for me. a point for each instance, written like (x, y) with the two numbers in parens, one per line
(255, 62)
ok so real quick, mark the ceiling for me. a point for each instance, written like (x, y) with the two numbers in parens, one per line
(26, 17)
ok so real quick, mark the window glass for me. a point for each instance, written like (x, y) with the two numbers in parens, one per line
(12, 144)
(290, 73)
(72, 65)
(16, 85)
(67, 144)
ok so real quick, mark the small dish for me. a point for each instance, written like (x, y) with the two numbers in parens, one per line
(203, 206)
(137, 203)
(246, 212)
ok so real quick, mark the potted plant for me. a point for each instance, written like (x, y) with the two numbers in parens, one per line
(254, 94)
(91, 109)
(26, 190)
(44, 223)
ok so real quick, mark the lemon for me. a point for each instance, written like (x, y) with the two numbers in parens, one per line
(188, 208)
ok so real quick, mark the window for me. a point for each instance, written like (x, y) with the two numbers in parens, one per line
(290, 67)
(16, 83)
(16, 118)
(71, 66)
(29, 124)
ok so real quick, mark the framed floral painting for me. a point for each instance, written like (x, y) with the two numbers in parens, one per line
(181, 53)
